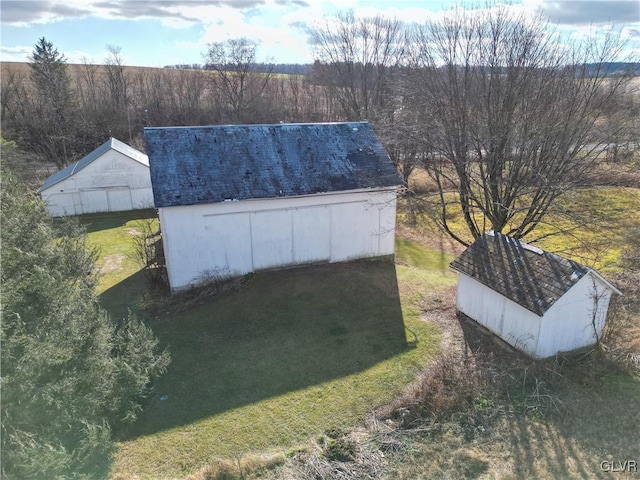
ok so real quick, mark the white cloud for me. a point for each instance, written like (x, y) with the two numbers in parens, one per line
(18, 53)
(631, 32)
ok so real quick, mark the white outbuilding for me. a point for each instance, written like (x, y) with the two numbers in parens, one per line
(240, 198)
(114, 177)
(538, 302)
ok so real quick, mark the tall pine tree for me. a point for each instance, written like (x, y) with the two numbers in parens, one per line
(51, 135)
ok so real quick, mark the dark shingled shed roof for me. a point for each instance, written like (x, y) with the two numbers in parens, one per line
(195, 165)
(524, 274)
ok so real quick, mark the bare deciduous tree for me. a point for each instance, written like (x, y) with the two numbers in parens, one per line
(356, 57)
(512, 114)
(235, 76)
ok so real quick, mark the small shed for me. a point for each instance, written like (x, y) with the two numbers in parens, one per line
(538, 302)
(239, 198)
(112, 178)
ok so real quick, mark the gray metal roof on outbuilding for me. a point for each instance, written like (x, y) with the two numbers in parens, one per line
(111, 144)
(196, 165)
(527, 275)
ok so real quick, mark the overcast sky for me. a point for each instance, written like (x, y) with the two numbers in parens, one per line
(167, 32)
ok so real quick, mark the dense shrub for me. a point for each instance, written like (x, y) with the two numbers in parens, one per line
(69, 372)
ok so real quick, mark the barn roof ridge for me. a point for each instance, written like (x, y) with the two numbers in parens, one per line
(213, 163)
(529, 276)
(111, 144)
(235, 125)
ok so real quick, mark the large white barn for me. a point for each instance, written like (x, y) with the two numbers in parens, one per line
(538, 302)
(114, 177)
(236, 199)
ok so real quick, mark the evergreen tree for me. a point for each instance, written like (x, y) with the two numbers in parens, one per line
(69, 372)
(53, 115)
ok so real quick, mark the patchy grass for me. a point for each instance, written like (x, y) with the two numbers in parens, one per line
(275, 362)
(598, 233)
(595, 222)
(261, 371)
(112, 235)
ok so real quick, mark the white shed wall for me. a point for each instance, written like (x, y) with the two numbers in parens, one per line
(569, 323)
(111, 183)
(234, 238)
(513, 323)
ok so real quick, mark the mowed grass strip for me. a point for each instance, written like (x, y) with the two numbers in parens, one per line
(289, 355)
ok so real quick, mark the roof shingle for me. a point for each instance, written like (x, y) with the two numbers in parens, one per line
(195, 165)
(526, 275)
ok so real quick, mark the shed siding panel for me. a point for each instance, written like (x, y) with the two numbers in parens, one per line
(354, 231)
(119, 199)
(142, 198)
(271, 238)
(93, 201)
(311, 234)
(59, 204)
(113, 169)
(516, 325)
(568, 323)
(387, 212)
(521, 328)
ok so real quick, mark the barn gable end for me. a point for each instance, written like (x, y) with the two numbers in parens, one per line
(113, 177)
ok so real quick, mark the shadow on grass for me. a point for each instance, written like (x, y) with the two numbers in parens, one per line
(125, 296)
(573, 419)
(594, 438)
(284, 331)
(95, 222)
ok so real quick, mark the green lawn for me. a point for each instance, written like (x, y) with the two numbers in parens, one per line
(269, 366)
(596, 222)
(277, 362)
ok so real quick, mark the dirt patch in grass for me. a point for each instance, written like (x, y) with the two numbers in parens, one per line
(112, 263)
(133, 231)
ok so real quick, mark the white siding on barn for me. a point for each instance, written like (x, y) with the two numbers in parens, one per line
(112, 182)
(234, 238)
(312, 234)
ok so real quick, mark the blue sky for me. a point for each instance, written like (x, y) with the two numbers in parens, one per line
(167, 32)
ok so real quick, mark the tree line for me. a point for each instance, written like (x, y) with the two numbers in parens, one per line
(500, 112)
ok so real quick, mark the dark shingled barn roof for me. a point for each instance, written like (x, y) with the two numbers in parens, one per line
(195, 165)
(524, 274)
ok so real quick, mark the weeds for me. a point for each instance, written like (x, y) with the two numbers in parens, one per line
(620, 342)
(149, 253)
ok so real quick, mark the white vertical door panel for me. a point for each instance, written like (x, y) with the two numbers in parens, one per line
(311, 234)
(271, 238)
(226, 249)
(93, 201)
(354, 231)
(119, 199)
